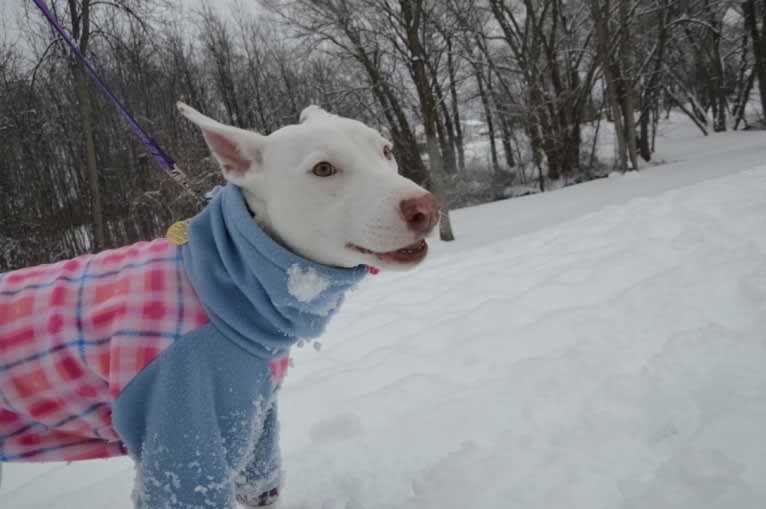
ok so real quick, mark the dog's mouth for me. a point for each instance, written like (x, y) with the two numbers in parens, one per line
(409, 254)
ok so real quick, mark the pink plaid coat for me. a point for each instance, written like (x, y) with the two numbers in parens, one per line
(73, 334)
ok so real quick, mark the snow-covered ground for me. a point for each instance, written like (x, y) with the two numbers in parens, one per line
(601, 346)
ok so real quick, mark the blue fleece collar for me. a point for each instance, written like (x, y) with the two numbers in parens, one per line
(257, 293)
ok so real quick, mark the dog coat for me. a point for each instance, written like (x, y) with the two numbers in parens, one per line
(170, 354)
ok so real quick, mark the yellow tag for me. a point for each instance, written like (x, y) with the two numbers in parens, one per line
(178, 233)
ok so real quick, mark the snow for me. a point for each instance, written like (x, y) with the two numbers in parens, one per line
(600, 346)
(305, 285)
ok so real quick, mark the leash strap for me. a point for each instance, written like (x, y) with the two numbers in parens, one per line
(163, 159)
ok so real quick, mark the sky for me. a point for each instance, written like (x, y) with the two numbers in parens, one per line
(13, 14)
(10, 10)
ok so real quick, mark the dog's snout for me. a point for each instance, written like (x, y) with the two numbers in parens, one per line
(421, 213)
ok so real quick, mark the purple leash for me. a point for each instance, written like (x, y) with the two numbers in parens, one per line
(163, 160)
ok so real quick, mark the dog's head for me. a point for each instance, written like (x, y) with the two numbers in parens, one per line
(327, 188)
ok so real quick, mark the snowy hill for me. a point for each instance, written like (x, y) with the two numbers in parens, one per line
(601, 346)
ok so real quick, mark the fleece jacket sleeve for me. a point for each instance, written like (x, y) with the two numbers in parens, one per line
(194, 421)
(262, 470)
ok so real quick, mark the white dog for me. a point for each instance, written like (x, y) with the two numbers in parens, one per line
(172, 351)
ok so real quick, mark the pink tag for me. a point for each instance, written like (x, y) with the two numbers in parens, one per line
(279, 368)
(373, 270)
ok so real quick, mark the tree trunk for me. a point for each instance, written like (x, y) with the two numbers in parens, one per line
(594, 144)
(535, 146)
(412, 13)
(81, 33)
(602, 38)
(643, 146)
(455, 107)
(650, 100)
(444, 129)
(410, 163)
(630, 122)
(505, 128)
(689, 113)
(759, 46)
(94, 189)
(626, 58)
(744, 82)
(445, 225)
(719, 92)
(485, 101)
(739, 114)
(544, 130)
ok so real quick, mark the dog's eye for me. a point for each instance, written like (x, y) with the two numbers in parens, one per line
(324, 169)
(388, 153)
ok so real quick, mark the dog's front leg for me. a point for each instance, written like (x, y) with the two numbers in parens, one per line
(183, 471)
(257, 485)
(181, 448)
(188, 419)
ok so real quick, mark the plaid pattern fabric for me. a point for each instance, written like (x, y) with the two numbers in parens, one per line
(73, 334)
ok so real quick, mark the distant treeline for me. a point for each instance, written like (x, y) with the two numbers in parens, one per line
(74, 179)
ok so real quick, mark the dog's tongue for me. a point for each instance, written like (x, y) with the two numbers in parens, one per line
(373, 270)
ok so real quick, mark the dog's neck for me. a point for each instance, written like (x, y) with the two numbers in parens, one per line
(234, 265)
(258, 211)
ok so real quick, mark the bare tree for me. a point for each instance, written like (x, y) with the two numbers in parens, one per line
(752, 10)
(342, 24)
(79, 16)
(612, 76)
(533, 69)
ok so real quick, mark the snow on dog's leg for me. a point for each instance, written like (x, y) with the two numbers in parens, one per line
(258, 483)
(188, 419)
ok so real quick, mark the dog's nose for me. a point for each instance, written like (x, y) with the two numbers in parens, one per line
(421, 213)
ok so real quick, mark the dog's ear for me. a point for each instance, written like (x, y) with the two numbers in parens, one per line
(311, 112)
(238, 151)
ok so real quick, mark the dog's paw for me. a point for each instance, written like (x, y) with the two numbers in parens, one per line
(275, 505)
(269, 499)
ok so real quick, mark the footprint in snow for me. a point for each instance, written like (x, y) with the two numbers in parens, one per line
(335, 429)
